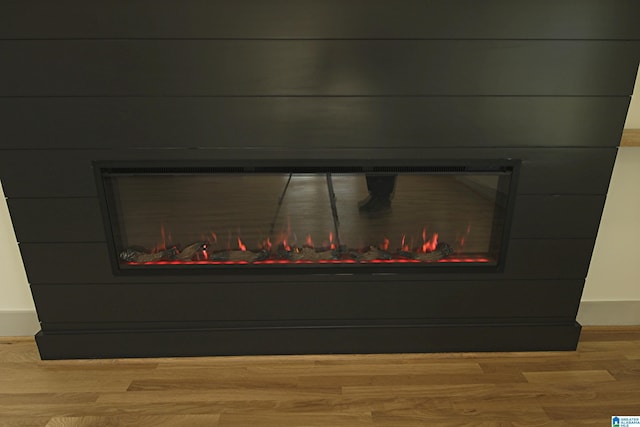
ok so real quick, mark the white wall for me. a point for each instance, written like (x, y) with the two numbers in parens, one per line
(612, 291)
(17, 312)
(614, 273)
(633, 116)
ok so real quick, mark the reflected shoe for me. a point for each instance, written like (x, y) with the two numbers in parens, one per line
(375, 205)
(364, 201)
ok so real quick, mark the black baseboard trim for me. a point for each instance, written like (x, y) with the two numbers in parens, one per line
(309, 340)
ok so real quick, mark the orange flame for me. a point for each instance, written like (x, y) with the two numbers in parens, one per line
(286, 236)
(162, 245)
(309, 242)
(241, 245)
(385, 244)
(403, 245)
(431, 244)
(463, 239)
(267, 244)
(331, 244)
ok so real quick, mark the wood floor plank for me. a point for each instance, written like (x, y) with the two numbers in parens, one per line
(543, 395)
(63, 385)
(47, 398)
(624, 346)
(416, 391)
(554, 377)
(18, 349)
(390, 368)
(23, 421)
(544, 365)
(279, 419)
(585, 387)
(625, 371)
(107, 410)
(222, 394)
(428, 382)
(467, 416)
(594, 411)
(137, 421)
(39, 379)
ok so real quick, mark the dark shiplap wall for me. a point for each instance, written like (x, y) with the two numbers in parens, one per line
(547, 82)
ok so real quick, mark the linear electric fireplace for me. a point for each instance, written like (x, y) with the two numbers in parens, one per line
(290, 177)
(378, 218)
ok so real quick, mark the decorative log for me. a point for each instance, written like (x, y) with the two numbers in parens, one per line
(442, 250)
(142, 255)
(372, 254)
(219, 256)
(310, 254)
(247, 256)
(241, 256)
(306, 253)
(190, 251)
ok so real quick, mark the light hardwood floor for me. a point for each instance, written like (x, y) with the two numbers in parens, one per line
(585, 387)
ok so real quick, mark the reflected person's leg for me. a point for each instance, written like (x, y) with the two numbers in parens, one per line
(381, 188)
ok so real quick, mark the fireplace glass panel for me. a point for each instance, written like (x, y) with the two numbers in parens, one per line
(263, 217)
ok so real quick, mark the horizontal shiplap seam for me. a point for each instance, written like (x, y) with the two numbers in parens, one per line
(466, 38)
(282, 148)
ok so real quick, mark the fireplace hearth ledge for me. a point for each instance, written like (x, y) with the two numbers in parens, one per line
(441, 338)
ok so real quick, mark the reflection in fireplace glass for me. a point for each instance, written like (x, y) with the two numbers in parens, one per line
(301, 216)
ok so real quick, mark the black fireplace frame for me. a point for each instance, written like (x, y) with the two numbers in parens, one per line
(436, 166)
